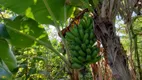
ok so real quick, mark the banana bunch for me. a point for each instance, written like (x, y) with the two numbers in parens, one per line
(81, 41)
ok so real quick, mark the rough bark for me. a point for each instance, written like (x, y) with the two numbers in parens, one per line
(94, 68)
(117, 59)
(74, 75)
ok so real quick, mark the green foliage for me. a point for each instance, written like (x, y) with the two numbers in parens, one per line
(132, 42)
(23, 32)
(7, 55)
(137, 26)
(26, 26)
(37, 10)
(82, 3)
(17, 5)
(37, 63)
(3, 32)
(26, 34)
(5, 74)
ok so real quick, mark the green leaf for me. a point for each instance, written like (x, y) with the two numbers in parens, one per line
(57, 7)
(44, 37)
(36, 9)
(95, 2)
(40, 13)
(18, 6)
(3, 32)
(76, 3)
(26, 26)
(5, 74)
(80, 3)
(7, 55)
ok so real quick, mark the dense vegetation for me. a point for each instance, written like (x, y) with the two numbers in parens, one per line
(70, 39)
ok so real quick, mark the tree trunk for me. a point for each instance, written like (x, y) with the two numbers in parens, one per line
(74, 75)
(117, 59)
(94, 68)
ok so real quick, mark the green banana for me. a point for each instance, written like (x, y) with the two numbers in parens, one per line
(86, 36)
(91, 35)
(75, 60)
(91, 42)
(78, 40)
(94, 54)
(83, 23)
(81, 41)
(87, 42)
(95, 48)
(88, 51)
(74, 53)
(80, 26)
(83, 46)
(89, 21)
(70, 36)
(68, 39)
(77, 48)
(81, 53)
(71, 46)
(76, 66)
(90, 25)
(88, 58)
(81, 58)
(90, 47)
(81, 33)
(74, 31)
(73, 43)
